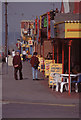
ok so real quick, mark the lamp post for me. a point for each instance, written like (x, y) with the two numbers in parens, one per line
(62, 57)
(6, 31)
(69, 44)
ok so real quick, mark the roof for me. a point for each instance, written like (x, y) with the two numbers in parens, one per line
(27, 20)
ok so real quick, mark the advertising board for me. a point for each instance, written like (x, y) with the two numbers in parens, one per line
(54, 68)
(39, 61)
(26, 28)
(47, 66)
(30, 42)
(40, 67)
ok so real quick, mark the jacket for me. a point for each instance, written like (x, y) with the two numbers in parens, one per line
(17, 61)
(34, 60)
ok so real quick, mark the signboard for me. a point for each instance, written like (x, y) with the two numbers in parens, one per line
(48, 26)
(18, 45)
(43, 26)
(73, 30)
(45, 21)
(52, 28)
(56, 31)
(30, 42)
(21, 57)
(39, 63)
(10, 59)
(47, 66)
(23, 45)
(29, 56)
(54, 68)
(27, 28)
(40, 67)
(29, 38)
(27, 46)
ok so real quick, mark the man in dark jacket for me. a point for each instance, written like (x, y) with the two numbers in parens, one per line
(34, 63)
(17, 63)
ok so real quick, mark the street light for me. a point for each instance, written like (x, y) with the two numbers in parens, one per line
(6, 31)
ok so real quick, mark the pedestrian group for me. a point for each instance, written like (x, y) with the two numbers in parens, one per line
(17, 64)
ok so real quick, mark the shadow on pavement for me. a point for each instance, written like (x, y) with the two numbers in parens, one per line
(25, 78)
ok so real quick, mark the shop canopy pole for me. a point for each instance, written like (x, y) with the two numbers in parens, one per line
(53, 51)
(57, 52)
(43, 57)
(35, 47)
(62, 57)
(69, 66)
(40, 49)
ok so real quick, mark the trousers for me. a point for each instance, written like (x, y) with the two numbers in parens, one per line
(34, 73)
(15, 73)
(24, 57)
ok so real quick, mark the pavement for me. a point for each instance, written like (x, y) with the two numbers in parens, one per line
(35, 97)
(0, 68)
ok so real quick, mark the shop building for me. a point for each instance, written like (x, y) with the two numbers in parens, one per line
(52, 36)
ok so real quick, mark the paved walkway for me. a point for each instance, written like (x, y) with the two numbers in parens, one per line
(0, 68)
(27, 92)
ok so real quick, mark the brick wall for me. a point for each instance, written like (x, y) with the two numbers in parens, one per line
(47, 48)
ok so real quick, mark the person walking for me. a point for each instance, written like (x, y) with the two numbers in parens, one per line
(13, 53)
(17, 64)
(34, 63)
(24, 55)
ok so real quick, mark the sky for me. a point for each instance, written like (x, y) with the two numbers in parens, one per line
(18, 11)
(40, 0)
(0, 23)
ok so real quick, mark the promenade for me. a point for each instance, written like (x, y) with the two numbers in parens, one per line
(34, 99)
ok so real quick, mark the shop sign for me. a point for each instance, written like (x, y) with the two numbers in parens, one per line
(23, 45)
(30, 42)
(29, 38)
(39, 63)
(48, 26)
(26, 27)
(29, 56)
(73, 30)
(45, 22)
(27, 46)
(52, 28)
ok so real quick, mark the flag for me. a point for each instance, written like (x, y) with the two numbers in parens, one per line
(65, 8)
(62, 7)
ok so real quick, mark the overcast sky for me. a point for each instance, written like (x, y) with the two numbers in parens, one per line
(39, 0)
(18, 11)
